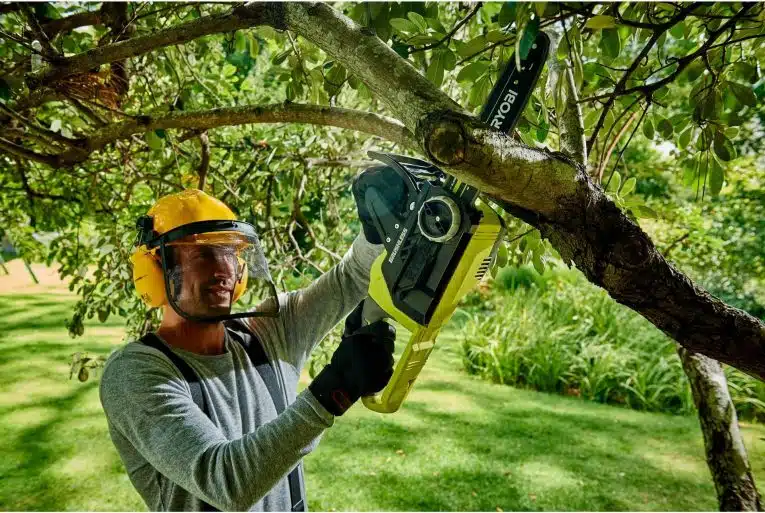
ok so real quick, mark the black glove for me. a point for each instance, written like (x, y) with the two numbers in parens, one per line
(361, 365)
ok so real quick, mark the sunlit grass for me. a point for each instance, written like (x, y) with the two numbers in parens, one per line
(459, 443)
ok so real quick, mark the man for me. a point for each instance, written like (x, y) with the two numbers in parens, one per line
(236, 451)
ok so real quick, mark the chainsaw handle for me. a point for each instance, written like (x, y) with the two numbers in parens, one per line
(407, 369)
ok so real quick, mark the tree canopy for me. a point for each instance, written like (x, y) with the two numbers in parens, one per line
(272, 107)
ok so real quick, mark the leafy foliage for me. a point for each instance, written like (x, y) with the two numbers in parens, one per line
(683, 75)
(568, 337)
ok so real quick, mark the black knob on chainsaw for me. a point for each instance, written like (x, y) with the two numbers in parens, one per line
(439, 218)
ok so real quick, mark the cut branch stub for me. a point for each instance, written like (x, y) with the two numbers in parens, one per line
(532, 179)
(445, 139)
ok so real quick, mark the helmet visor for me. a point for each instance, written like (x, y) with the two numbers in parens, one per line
(216, 270)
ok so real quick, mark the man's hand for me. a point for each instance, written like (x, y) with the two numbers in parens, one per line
(361, 365)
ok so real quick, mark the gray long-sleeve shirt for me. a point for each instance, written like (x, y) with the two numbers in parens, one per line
(238, 457)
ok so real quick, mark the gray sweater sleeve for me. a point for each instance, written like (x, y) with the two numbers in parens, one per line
(310, 313)
(149, 403)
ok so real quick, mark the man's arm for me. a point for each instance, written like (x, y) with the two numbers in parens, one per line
(310, 313)
(149, 403)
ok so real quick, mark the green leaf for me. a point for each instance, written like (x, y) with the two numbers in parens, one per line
(645, 212)
(539, 8)
(628, 186)
(254, 45)
(592, 117)
(161, 133)
(677, 30)
(600, 22)
(610, 43)
(507, 14)
(716, 177)
(665, 128)
(449, 59)
(538, 263)
(281, 56)
(240, 41)
(648, 129)
(473, 46)
(542, 131)
(743, 93)
(472, 71)
(480, 91)
(724, 149)
(436, 25)
(154, 141)
(529, 36)
(494, 36)
(746, 71)
(418, 20)
(694, 70)
(55, 125)
(502, 255)
(422, 39)
(615, 183)
(435, 71)
(403, 25)
(442, 59)
(685, 137)
(228, 70)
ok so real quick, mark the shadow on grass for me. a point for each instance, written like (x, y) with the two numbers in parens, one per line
(56, 450)
(554, 460)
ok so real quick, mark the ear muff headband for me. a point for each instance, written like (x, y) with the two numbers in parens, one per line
(148, 274)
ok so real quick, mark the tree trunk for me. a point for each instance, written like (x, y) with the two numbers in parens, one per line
(726, 454)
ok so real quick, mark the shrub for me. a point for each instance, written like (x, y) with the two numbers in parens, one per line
(558, 333)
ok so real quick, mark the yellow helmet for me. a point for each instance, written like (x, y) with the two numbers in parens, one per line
(192, 217)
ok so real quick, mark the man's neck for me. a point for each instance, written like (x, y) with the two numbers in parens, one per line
(195, 337)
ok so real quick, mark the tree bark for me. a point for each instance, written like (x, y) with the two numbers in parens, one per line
(726, 454)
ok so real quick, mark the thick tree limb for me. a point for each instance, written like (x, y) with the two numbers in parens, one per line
(375, 124)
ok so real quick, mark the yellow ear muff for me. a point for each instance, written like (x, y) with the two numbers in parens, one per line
(148, 277)
(241, 285)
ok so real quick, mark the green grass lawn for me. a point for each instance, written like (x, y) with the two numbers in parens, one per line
(458, 443)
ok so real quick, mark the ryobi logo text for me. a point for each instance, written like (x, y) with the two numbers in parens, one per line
(397, 246)
(504, 108)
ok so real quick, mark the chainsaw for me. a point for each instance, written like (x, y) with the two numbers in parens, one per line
(439, 238)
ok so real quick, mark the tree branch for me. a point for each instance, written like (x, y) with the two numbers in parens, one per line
(451, 33)
(619, 89)
(240, 17)
(204, 141)
(682, 63)
(374, 124)
(610, 149)
(21, 152)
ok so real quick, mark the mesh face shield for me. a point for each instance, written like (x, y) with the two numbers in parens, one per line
(216, 270)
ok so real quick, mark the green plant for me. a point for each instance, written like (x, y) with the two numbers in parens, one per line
(559, 334)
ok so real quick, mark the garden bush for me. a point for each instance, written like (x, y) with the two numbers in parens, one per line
(558, 333)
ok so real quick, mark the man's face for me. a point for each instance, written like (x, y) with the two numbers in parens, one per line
(207, 275)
